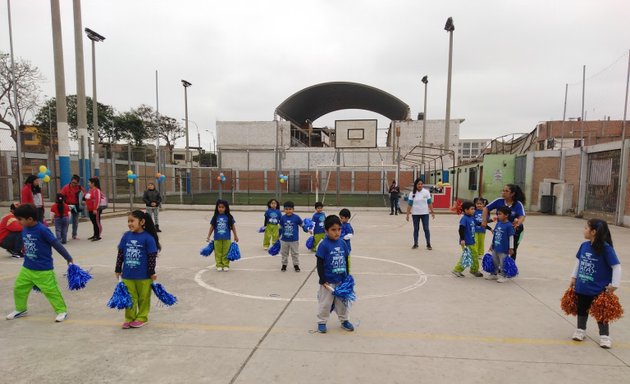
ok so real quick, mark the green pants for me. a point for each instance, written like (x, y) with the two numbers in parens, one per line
(271, 235)
(478, 248)
(317, 238)
(475, 261)
(140, 291)
(221, 248)
(45, 281)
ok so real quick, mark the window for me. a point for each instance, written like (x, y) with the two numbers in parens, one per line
(472, 179)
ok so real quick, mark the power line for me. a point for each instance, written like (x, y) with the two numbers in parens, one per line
(603, 70)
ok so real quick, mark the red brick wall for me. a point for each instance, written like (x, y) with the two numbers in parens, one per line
(572, 176)
(544, 168)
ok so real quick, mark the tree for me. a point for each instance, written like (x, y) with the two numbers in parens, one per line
(132, 126)
(27, 78)
(47, 117)
(160, 127)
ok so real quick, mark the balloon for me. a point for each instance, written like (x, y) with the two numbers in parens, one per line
(218, 178)
(41, 175)
(48, 172)
(130, 181)
(162, 177)
(46, 179)
(286, 177)
(130, 172)
(223, 178)
(282, 181)
(133, 176)
(42, 168)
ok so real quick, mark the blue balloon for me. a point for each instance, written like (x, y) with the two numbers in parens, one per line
(133, 176)
(48, 172)
(41, 175)
(162, 177)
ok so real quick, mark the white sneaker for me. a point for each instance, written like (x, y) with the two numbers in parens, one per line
(579, 334)
(502, 279)
(491, 277)
(605, 342)
(15, 315)
(219, 269)
(61, 317)
(225, 269)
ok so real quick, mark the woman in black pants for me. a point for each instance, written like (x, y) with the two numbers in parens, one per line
(93, 200)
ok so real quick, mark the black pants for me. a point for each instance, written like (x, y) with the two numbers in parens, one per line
(96, 223)
(392, 204)
(583, 305)
(517, 239)
(13, 242)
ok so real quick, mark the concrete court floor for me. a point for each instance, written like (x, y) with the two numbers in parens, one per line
(415, 322)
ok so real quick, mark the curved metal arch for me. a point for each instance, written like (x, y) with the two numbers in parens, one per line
(318, 100)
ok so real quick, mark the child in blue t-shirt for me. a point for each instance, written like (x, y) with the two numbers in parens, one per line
(318, 219)
(136, 261)
(289, 237)
(221, 224)
(332, 268)
(480, 230)
(597, 269)
(347, 232)
(272, 219)
(502, 244)
(467, 240)
(37, 269)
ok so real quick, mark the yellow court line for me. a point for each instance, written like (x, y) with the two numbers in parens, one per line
(359, 333)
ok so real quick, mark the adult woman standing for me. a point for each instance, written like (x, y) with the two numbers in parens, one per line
(32, 194)
(92, 201)
(419, 205)
(394, 195)
(512, 197)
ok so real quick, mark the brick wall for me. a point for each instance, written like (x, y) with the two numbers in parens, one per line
(545, 168)
(572, 176)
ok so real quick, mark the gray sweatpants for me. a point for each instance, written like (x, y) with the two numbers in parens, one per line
(292, 247)
(498, 259)
(325, 300)
(154, 213)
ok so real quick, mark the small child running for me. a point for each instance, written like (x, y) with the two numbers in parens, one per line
(37, 269)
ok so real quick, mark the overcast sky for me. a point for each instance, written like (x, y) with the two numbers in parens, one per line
(511, 59)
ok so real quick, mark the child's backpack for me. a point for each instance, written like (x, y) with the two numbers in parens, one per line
(102, 204)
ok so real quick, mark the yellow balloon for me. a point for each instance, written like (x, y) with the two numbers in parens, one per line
(130, 181)
(130, 172)
(46, 179)
(42, 168)
(282, 181)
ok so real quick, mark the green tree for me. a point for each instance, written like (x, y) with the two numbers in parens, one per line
(132, 126)
(27, 78)
(162, 127)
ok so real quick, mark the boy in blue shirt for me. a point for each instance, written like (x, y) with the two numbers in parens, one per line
(37, 269)
(332, 268)
(318, 220)
(502, 243)
(347, 232)
(290, 236)
(467, 240)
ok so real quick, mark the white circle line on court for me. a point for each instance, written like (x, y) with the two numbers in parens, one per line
(422, 279)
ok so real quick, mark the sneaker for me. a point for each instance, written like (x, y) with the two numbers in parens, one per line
(157, 228)
(297, 268)
(347, 326)
(125, 326)
(219, 269)
(284, 268)
(225, 269)
(429, 248)
(502, 279)
(491, 277)
(61, 317)
(265, 248)
(137, 324)
(457, 274)
(579, 334)
(96, 238)
(75, 237)
(477, 274)
(91, 237)
(605, 341)
(16, 255)
(415, 246)
(321, 328)
(16, 314)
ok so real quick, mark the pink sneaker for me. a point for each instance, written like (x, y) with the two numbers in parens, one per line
(126, 326)
(137, 324)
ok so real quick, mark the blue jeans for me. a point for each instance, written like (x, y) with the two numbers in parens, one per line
(61, 228)
(425, 228)
(74, 218)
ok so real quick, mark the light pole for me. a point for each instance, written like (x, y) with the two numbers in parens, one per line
(187, 84)
(449, 27)
(95, 37)
(198, 139)
(15, 110)
(84, 149)
(425, 81)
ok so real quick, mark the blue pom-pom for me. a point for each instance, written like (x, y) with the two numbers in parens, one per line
(36, 289)
(165, 297)
(77, 277)
(275, 248)
(261, 229)
(121, 298)
(488, 264)
(310, 241)
(234, 253)
(345, 290)
(207, 250)
(308, 225)
(509, 267)
(466, 259)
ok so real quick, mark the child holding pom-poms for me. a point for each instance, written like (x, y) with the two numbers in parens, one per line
(272, 219)
(467, 242)
(597, 270)
(332, 269)
(37, 269)
(136, 261)
(502, 245)
(222, 224)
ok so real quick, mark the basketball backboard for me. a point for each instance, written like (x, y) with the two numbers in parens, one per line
(355, 133)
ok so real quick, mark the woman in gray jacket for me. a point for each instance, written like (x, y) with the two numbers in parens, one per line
(153, 200)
